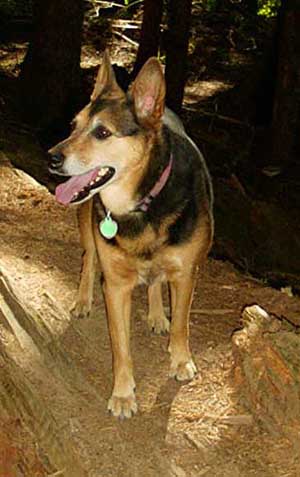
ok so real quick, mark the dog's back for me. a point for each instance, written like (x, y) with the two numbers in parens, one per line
(174, 124)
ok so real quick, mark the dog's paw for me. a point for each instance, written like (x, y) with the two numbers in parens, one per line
(158, 324)
(184, 371)
(122, 407)
(80, 309)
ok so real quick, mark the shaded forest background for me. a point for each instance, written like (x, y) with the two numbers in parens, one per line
(239, 64)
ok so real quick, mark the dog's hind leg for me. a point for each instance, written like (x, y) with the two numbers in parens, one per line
(83, 303)
(182, 365)
(157, 320)
(182, 287)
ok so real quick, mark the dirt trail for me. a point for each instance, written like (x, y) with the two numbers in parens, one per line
(180, 430)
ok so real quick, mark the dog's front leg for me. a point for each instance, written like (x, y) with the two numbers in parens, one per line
(182, 364)
(83, 304)
(118, 302)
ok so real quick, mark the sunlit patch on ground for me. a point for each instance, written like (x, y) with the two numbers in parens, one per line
(199, 411)
(204, 89)
(11, 57)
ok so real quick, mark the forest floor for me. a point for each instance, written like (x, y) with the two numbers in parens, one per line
(193, 429)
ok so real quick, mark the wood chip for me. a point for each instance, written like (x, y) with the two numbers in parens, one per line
(238, 420)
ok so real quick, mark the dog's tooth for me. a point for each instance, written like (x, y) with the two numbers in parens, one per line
(102, 172)
(92, 182)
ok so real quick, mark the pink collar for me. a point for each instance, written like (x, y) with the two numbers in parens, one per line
(145, 203)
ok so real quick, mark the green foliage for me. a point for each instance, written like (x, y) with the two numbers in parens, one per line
(268, 8)
(210, 5)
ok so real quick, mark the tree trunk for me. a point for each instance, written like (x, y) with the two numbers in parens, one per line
(150, 33)
(177, 48)
(50, 75)
(266, 86)
(286, 108)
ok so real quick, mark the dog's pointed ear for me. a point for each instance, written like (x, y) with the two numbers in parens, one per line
(148, 92)
(106, 82)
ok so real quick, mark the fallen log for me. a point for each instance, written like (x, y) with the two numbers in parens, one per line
(25, 336)
(266, 355)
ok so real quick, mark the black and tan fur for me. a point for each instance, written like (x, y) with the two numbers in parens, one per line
(166, 243)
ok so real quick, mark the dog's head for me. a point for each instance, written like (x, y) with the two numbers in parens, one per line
(111, 135)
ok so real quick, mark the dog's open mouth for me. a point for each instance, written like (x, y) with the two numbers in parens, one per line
(78, 188)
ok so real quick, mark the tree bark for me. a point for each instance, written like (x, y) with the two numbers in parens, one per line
(19, 395)
(266, 373)
(150, 33)
(286, 108)
(177, 49)
(50, 75)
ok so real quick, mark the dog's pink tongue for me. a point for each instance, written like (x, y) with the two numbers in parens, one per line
(65, 192)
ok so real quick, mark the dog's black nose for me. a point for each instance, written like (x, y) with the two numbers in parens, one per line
(56, 160)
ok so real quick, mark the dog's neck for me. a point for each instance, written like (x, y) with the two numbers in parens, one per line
(137, 189)
(146, 201)
(119, 197)
(120, 206)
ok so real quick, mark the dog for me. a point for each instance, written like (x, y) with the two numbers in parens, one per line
(146, 211)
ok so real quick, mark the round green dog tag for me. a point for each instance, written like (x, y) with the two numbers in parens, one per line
(108, 227)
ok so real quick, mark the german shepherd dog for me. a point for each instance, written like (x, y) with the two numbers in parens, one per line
(146, 211)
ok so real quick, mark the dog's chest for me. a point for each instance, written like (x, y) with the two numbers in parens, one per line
(149, 272)
(160, 269)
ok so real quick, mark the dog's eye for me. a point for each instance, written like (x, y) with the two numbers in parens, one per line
(101, 132)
